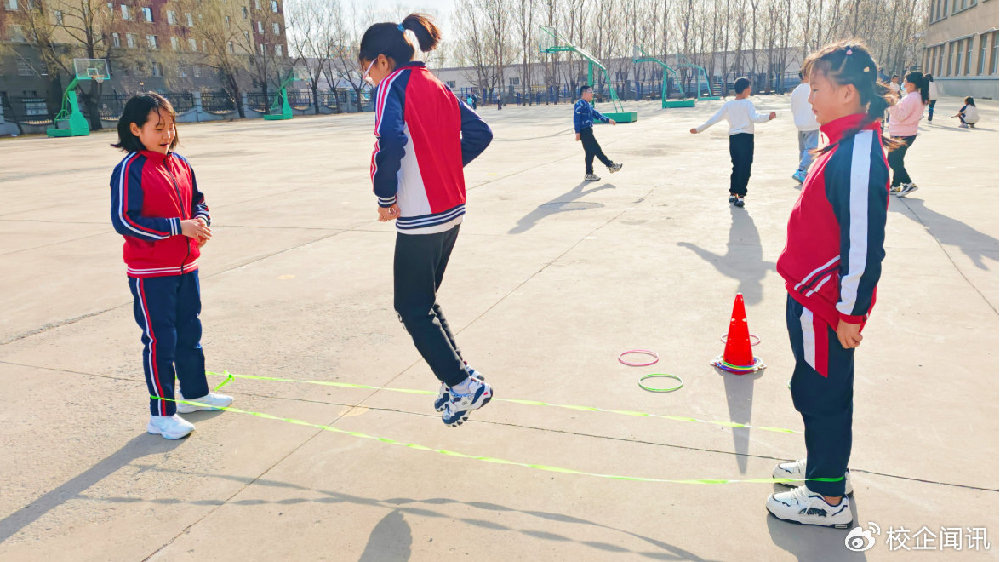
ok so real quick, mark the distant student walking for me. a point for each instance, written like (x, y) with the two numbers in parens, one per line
(903, 120)
(741, 114)
(583, 123)
(805, 122)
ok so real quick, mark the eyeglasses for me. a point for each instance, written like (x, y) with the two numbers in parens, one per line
(368, 79)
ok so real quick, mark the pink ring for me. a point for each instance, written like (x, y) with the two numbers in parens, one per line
(656, 358)
(752, 343)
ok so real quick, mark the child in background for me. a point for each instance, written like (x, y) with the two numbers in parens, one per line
(805, 122)
(831, 264)
(583, 123)
(903, 120)
(968, 115)
(157, 208)
(932, 96)
(741, 114)
(425, 136)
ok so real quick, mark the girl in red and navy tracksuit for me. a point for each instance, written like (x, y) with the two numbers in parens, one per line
(831, 264)
(157, 208)
(424, 137)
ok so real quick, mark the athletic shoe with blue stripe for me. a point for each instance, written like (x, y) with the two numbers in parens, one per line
(475, 394)
(443, 395)
(805, 507)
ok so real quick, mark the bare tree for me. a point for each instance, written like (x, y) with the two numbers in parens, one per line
(312, 39)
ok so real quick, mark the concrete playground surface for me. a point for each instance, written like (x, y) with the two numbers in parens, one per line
(551, 279)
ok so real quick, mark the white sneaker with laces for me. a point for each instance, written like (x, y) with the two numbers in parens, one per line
(805, 507)
(591, 177)
(170, 427)
(614, 167)
(211, 401)
(471, 395)
(796, 470)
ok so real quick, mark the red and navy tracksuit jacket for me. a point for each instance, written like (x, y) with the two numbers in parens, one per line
(832, 259)
(151, 193)
(424, 137)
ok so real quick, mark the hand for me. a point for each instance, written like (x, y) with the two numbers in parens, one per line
(196, 228)
(578, 136)
(849, 334)
(694, 131)
(612, 121)
(772, 116)
(388, 213)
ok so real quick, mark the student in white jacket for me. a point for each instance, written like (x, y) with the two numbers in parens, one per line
(805, 122)
(741, 115)
(932, 96)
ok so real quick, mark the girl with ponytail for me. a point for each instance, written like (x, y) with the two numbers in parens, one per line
(831, 264)
(424, 136)
(903, 120)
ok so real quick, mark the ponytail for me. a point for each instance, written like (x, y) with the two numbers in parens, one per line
(390, 39)
(918, 79)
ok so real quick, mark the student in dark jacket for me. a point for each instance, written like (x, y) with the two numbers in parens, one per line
(584, 115)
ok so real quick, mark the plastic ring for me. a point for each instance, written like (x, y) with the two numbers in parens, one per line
(656, 358)
(651, 389)
(752, 337)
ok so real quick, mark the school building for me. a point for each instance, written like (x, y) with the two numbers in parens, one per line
(961, 47)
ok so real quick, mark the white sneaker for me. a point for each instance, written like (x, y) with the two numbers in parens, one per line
(906, 189)
(212, 401)
(170, 427)
(471, 395)
(796, 470)
(809, 508)
(591, 177)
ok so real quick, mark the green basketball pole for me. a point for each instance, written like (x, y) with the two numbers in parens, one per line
(619, 114)
(281, 100)
(69, 113)
(664, 102)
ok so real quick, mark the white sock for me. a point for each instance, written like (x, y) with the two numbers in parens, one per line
(464, 386)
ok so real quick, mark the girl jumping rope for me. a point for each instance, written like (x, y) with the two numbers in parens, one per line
(424, 137)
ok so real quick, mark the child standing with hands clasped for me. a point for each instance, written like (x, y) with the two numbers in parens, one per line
(157, 208)
(831, 264)
(424, 137)
(741, 114)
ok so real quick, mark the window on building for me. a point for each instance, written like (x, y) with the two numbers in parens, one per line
(130, 40)
(175, 43)
(263, 49)
(230, 47)
(278, 51)
(993, 57)
(260, 27)
(193, 44)
(189, 20)
(515, 81)
(256, 4)
(10, 5)
(151, 41)
(148, 14)
(229, 22)
(274, 6)
(171, 17)
(59, 17)
(182, 71)
(967, 56)
(157, 70)
(246, 35)
(125, 15)
(17, 34)
(940, 64)
(246, 13)
(984, 51)
(196, 71)
(24, 67)
(116, 40)
(947, 70)
(276, 28)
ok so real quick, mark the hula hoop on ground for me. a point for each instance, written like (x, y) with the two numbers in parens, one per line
(752, 337)
(656, 358)
(652, 389)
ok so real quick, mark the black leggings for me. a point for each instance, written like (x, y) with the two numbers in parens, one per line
(741, 151)
(899, 175)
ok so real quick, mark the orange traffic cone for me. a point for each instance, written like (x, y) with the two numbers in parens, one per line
(738, 357)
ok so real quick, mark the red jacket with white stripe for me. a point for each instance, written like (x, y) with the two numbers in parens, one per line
(151, 193)
(424, 137)
(832, 259)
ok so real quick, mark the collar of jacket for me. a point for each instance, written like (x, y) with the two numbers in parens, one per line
(415, 63)
(834, 130)
(156, 156)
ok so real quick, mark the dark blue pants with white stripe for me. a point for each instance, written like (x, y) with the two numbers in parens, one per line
(167, 309)
(823, 392)
(418, 269)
